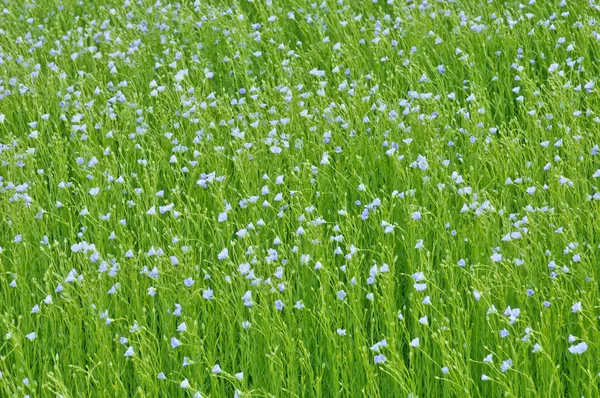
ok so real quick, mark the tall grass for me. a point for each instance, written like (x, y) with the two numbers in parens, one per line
(297, 199)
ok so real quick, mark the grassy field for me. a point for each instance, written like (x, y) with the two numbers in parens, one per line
(294, 199)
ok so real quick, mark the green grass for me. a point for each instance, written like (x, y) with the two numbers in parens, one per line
(450, 124)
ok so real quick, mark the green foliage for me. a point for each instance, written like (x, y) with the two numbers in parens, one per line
(409, 190)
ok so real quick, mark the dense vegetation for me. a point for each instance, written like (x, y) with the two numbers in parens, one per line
(294, 199)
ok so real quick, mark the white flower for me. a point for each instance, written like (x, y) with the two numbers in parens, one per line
(181, 75)
(223, 254)
(578, 348)
(129, 352)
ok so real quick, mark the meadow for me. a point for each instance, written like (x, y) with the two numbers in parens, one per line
(287, 198)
